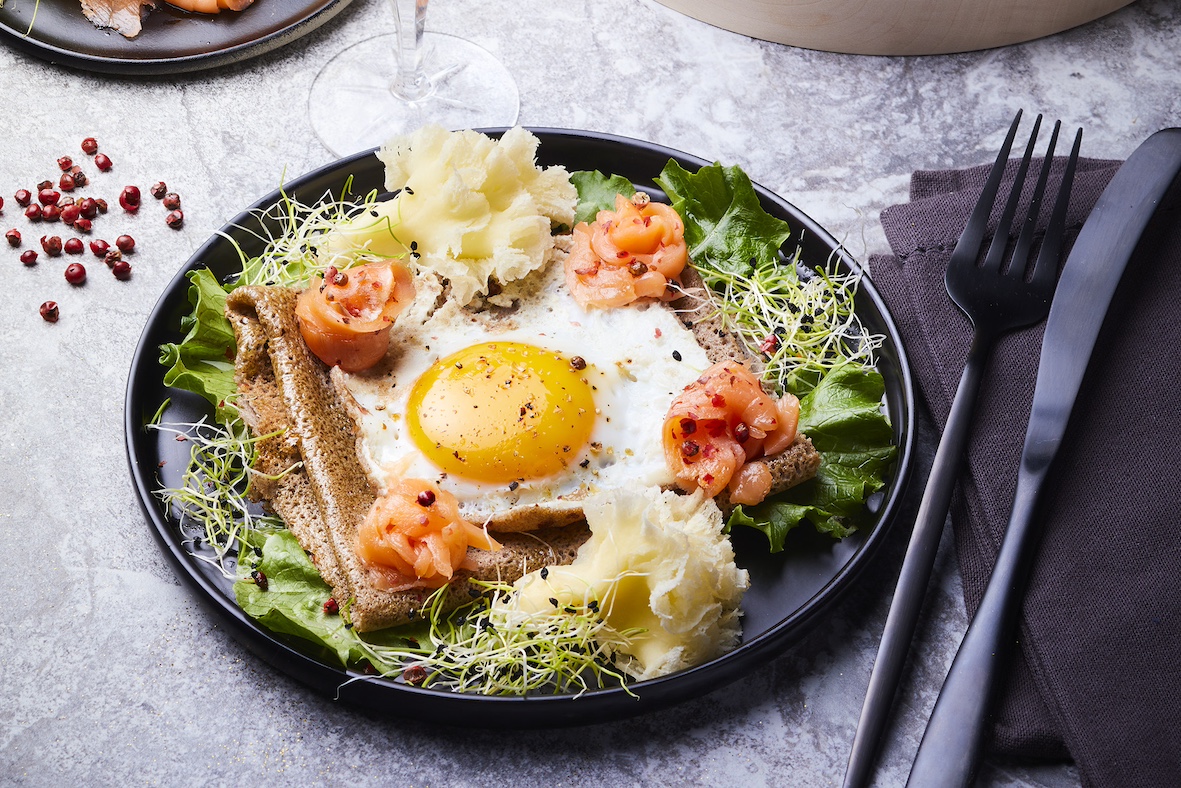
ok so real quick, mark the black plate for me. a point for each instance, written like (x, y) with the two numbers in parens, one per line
(173, 41)
(789, 592)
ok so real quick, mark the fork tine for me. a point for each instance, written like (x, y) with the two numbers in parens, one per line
(1025, 239)
(1046, 268)
(1000, 239)
(967, 248)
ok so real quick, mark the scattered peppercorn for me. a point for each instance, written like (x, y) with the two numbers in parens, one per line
(73, 246)
(125, 243)
(175, 219)
(48, 196)
(90, 146)
(52, 244)
(99, 247)
(70, 214)
(415, 674)
(331, 607)
(75, 273)
(29, 257)
(259, 578)
(102, 161)
(49, 312)
(51, 213)
(33, 213)
(88, 207)
(121, 270)
(578, 362)
(112, 256)
(159, 190)
(23, 197)
(13, 236)
(82, 224)
(44, 185)
(64, 163)
(172, 201)
(101, 204)
(426, 498)
(66, 182)
(80, 179)
(741, 432)
(129, 199)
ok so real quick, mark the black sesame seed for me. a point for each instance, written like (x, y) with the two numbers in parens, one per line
(544, 572)
(676, 355)
(553, 601)
(513, 485)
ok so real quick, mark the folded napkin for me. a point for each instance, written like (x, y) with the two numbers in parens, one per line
(1098, 674)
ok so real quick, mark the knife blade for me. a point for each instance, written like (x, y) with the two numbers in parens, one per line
(949, 751)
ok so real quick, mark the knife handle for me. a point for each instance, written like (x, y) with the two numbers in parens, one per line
(949, 751)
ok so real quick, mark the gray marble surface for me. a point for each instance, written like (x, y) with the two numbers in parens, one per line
(110, 672)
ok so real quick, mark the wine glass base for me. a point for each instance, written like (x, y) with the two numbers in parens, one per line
(353, 108)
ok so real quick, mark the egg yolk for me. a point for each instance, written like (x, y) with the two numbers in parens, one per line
(502, 412)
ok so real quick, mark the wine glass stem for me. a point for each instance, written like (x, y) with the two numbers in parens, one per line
(411, 82)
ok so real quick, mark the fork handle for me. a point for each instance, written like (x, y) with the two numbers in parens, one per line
(916, 569)
(950, 748)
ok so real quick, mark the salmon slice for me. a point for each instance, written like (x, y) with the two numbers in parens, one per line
(123, 16)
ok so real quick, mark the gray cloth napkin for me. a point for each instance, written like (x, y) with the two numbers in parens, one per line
(1098, 673)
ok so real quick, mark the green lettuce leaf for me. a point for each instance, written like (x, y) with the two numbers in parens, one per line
(596, 192)
(725, 226)
(843, 417)
(293, 603)
(204, 361)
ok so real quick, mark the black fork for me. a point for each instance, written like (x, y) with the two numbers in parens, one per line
(997, 300)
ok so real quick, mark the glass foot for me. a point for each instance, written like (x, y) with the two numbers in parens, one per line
(353, 108)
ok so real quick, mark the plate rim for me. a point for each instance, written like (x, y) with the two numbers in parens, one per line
(318, 13)
(535, 710)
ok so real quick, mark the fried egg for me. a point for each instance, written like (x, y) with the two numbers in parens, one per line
(529, 408)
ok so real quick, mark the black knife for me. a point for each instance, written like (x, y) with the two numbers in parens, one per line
(949, 751)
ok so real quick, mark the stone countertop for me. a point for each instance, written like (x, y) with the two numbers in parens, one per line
(110, 671)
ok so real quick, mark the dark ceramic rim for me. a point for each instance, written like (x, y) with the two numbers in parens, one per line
(145, 392)
(208, 42)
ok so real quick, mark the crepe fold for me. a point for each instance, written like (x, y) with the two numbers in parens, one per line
(285, 390)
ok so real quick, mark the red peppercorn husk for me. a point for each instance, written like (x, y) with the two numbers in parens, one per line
(52, 244)
(44, 185)
(111, 257)
(159, 190)
(175, 219)
(129, 199)
(75, 273)
(82, 224)
(101, 204)
(90, 146)
(49, 312)
(13, 237)
(172, 201)
(1, 204)
(80, 179)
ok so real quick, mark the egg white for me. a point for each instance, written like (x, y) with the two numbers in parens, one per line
(639, 357)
